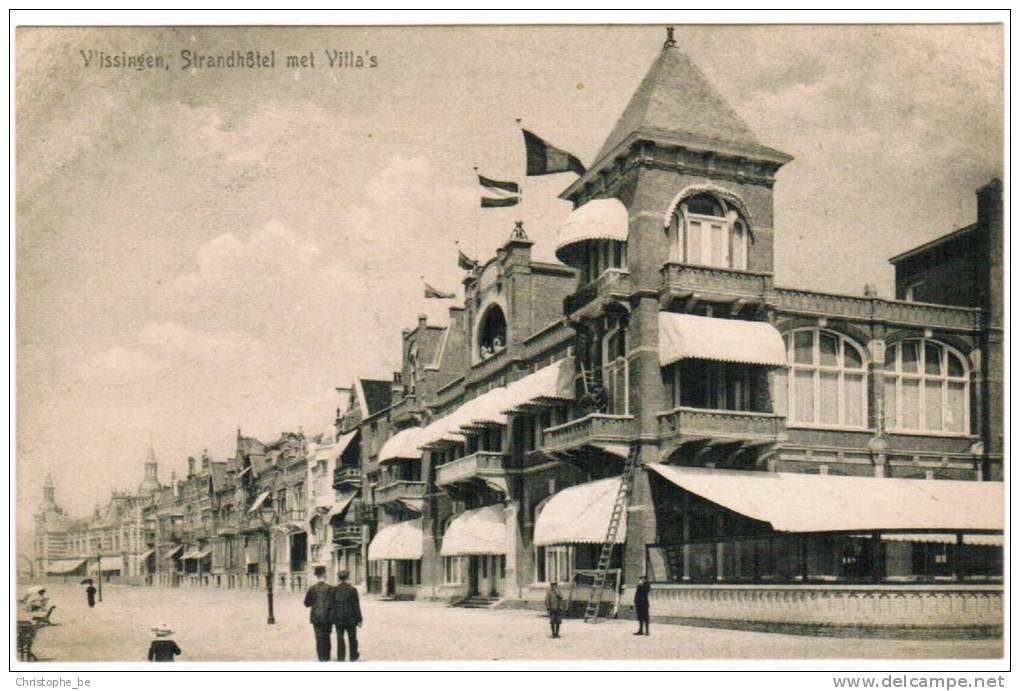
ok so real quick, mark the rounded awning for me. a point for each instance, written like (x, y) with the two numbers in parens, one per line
(478, 531)
(599, 219)
(402, 445)
(397, 541)
(580, 514)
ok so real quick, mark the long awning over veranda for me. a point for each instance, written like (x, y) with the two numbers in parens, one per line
(683, 336)
(798, 502)
(64, 566)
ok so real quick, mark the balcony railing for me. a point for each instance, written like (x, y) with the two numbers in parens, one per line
(366, 513)
(714, 284)
(347, 475)
(299, 514)
(874, 309)
(615, 282)
(346, 533)
(396, 491)
(691, 424)
(592, 430)
(477, 466)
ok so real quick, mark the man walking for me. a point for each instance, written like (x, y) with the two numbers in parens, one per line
(346, 616)
(90, 594)
(320, 598)
(641, 606)
(554, 605)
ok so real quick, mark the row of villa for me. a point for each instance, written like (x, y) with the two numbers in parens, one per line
(802, 458)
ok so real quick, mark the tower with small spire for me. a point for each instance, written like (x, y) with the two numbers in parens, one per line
(150, 483)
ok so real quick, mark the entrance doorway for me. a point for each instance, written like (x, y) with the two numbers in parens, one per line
(485, 574)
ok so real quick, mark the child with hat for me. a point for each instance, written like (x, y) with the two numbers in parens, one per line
(163, 649)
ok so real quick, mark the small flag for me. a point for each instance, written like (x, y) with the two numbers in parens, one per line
(546, 159)
(499, 192)
(431, 292)
(465, 262)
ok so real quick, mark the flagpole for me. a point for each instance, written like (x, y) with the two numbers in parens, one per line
(478, 216)
(524, 177)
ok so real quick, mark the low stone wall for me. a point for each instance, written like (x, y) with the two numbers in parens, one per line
(921, 610)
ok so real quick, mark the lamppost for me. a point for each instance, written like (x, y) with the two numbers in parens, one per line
(268, 517)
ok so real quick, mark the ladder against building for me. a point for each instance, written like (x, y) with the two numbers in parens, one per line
(591, 612)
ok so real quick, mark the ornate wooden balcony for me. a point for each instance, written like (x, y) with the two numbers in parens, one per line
(349, 476)
(873, 309)
(612, 283)
(480, 467)
(712, 284)
(410, 493)
(741, 428)
(611, 433)
(346, 534)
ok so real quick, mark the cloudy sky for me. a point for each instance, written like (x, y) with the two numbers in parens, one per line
(199, 251)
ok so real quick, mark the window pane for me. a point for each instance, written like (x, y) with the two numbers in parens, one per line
(933, 405)
(851, 357)
(954, 413)
(909, 359)
(828, 394)
(803, 345)
(890, 357)
(932, 359)
(854, 405)
(910, 407)
(956, 368)
(719, 241)
(739, 258)
(827, 345)
(704, 205)
(804, 396)
(694, 242)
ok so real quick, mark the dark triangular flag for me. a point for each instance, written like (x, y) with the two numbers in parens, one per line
(431, 292)
(465, 262)
(545, 159)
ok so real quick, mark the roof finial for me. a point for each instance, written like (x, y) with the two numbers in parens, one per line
(670, 41)
(518, 231)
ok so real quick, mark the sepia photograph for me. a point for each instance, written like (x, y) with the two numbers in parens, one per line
(499, 343)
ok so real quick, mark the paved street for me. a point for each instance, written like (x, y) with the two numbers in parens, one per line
(225, 625)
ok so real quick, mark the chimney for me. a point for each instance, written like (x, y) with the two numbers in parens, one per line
(191, 466)
(205, 459)
(423, 319)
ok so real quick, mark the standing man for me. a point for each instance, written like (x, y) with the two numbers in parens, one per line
(346, 616)
(554, 605)
(641, 606)
(90, 594)
(320, 598)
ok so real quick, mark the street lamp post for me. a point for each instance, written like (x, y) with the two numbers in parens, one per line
(269, 571)
(99, 574)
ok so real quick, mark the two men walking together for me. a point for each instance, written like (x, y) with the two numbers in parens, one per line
(334, 606)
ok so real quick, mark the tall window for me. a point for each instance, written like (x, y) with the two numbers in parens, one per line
(554, 564)
(710, 232)
(614, 371)
(828, 380)
(600, 255)
(492, 332)
(926, 388)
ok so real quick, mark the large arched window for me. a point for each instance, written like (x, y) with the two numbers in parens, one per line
(709, 231)
(614, 371)
(828, 380)
(491, 332)
(926, 388)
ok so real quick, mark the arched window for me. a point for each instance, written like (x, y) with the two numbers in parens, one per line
(926, 388)
(708, 231)
(828, 380)
(614, 371)
(492, 332)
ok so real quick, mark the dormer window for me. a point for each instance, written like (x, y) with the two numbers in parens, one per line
(709, 231)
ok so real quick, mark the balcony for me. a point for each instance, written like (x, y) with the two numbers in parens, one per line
(712, 284)
(346, 534)
(349, 476)
(873, 309)
(366, 513)
(410, 493)
(740, 428)
(611, 433)
(480, 467)
(612, 283)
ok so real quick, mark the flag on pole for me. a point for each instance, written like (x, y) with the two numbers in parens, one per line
(546, 159)
(499, 192)
(465, 262)
(431, 292)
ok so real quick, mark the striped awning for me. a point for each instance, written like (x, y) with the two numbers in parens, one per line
(580, 514)
(341, 504)
(61, 566)
(398, 541)
(477, 531)
(259, 501)
(402, 445)
(599, 219)
(173, 551)
(684, 336)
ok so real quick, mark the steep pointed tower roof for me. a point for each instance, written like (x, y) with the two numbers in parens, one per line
(675, 104)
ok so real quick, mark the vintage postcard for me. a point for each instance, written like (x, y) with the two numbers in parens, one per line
(503, 343)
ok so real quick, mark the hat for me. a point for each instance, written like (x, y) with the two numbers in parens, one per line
(162, 630)
(343, 573)
(319, 570)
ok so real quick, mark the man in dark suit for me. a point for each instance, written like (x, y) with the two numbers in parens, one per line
(320, 598)
(346, 616)
(641, 606)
